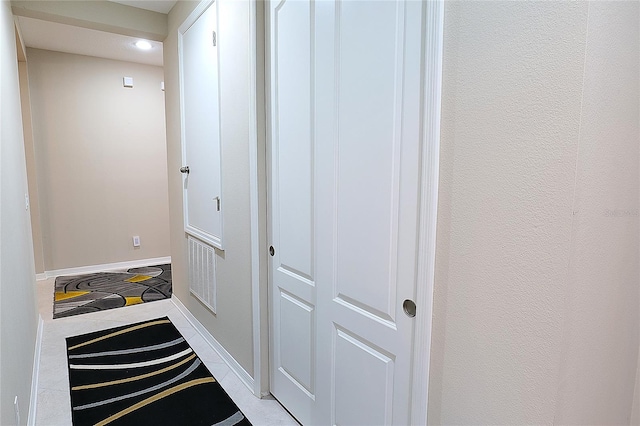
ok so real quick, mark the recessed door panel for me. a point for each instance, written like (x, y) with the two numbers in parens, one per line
(293, 138)
(357, 400)
(369, 106)
(296, 343)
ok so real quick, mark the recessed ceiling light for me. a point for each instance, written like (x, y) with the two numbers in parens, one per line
(143, 44)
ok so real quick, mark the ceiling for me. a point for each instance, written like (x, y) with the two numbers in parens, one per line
(58, 37)
(162, 6)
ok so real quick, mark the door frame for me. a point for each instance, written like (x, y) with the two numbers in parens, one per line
(258, 200)
(433, 15)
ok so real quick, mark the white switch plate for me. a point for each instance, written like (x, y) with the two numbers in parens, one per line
(26, 201)
(136, 241)
(127, 81)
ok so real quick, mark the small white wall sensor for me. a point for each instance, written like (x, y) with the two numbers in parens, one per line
(127, 81)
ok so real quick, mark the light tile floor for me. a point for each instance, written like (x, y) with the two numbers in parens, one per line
(53, 405)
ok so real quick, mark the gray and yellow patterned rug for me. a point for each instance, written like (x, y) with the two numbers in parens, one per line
(83, 294)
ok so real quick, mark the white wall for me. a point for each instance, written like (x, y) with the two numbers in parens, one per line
(100, 151)
(232, 324)
(17, 279)
(536, 292)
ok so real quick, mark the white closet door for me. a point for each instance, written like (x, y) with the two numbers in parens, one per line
(292, 202)
(345, 107)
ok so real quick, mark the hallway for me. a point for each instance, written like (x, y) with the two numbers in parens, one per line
(529, 298)
(53, 405)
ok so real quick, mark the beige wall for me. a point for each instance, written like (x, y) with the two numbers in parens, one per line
(17, 294)
(101, 159)
(232, 324)
(635, 411)
(29, 148)
(536, 293)
(601, 322)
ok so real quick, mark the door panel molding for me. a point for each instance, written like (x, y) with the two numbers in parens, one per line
(366, 311)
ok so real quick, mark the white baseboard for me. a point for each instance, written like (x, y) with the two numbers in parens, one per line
(102, 268)
(216, 346)
(31, 419)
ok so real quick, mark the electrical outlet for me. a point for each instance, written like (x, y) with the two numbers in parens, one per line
(26, 201)
(16, 409)
(136, 241)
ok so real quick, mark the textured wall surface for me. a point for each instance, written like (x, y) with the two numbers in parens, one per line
(101, 159)
(232, 324)
(536, 291)
(635, 412)
(601, 323)
(18, 315)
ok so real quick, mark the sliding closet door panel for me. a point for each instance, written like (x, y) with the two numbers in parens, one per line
(366, 262)
(292, 270)
(345, 96)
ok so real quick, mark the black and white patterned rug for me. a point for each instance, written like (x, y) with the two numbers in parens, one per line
(144, 374)
(83, 294)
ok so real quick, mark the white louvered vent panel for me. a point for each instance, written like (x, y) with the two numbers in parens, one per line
(202, 272)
